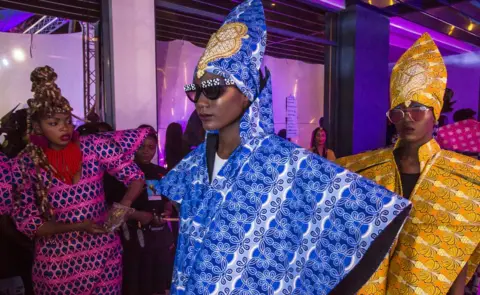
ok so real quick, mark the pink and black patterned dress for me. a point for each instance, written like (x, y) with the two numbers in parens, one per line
(5, 185)
(76, 262)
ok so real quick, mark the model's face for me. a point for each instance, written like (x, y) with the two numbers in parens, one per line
(227, 107)
(147, 151)
(417, 123)
(57, 128)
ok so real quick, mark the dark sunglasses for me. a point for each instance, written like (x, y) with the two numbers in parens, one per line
(211, 89)
(415, 113)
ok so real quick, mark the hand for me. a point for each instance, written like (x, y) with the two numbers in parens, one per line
(158, 221)
(117, 216)
(144, 217)
(92, 228)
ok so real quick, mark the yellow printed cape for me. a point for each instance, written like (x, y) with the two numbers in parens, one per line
(442, 233)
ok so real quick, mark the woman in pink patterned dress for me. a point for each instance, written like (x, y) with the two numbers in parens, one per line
(58, 178)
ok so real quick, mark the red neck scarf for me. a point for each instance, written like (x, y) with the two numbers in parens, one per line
(67, 162)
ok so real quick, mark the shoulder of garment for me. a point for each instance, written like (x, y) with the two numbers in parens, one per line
(366, 160)
(458, 165)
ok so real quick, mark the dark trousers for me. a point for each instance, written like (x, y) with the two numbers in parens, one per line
(16, 254)
(148, 270)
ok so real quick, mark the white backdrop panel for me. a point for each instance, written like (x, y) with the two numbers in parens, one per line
(63, 52)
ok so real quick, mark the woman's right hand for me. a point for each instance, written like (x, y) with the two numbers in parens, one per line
(158, 220)
(92, 228)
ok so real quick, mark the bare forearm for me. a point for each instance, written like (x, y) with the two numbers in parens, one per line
(133, 191)
(50, 228)
(137, 215)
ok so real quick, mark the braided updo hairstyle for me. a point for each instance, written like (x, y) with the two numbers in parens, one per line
(47, 97)
(47, 100)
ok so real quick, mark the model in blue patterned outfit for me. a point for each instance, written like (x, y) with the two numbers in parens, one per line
(260, 215)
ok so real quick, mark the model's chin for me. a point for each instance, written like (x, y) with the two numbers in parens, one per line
(409, 137)
(209, 126)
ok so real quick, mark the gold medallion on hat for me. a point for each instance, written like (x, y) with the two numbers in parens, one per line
(224, 43)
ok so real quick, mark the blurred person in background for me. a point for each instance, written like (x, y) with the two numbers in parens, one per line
(194, 133)
(16, 250)
(318, 144)
(174, 145)
(464, 114)
(147, 240)
(282, 133)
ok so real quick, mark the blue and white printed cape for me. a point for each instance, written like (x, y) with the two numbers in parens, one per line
(276, 219)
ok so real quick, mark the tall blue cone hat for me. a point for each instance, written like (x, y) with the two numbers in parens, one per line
(236, 50)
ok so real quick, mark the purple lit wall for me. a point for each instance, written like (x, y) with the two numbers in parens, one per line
(464, 80)
(12, 18)
(403, 34)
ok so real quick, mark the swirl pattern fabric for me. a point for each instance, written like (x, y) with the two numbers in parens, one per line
(442, 232)
(276, 219)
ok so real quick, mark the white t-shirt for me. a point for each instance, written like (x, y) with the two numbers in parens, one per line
(219, 162)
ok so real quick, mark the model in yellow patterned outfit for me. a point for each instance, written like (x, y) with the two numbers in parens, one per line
(438, 250)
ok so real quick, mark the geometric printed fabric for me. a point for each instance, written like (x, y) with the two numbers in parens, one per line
(75, 262)
(5, 185)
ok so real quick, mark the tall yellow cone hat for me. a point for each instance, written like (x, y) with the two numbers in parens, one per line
(419, 75)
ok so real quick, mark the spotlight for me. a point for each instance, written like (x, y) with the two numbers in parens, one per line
(18, 54)
(470, 27)
(5, 62)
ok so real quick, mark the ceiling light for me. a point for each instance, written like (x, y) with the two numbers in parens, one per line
(470, 27)
(451, 30)
(5, 62)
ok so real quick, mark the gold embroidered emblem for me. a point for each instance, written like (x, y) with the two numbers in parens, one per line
(410, 80)
(224, 43)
